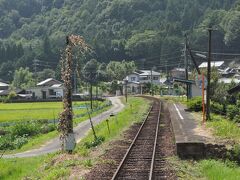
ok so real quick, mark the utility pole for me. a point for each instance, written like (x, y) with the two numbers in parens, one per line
(35, 64)
(208, 117)
(151, 82)
(186, 65)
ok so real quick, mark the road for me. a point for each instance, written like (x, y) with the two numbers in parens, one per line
(80, 131)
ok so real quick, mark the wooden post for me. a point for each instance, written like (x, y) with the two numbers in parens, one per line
(108, 125)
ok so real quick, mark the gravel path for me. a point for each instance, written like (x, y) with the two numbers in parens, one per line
(80, 131)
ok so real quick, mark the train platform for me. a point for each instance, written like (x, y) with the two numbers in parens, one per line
(190, 137)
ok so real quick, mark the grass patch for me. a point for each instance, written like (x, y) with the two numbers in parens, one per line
(37, 141)
(205, 169)
(218, 170)
(224, 128)
(12, 112)
(18, 168)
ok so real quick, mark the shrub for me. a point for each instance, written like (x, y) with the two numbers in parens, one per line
(195, 104)
(47, 128)
(20, 141)
(94, 143)
(22, 129)
(11, 95)
(6, 142)
(217, 108)
(232, 111)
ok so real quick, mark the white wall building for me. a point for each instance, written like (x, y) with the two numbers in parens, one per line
(136, 80)
(48, 89)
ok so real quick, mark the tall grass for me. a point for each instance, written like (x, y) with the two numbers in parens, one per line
(18, 168)
(224, 128)
(217, 170)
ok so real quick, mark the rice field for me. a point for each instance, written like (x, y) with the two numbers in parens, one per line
(14, 112)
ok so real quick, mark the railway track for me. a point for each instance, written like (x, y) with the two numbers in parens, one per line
(142, 159)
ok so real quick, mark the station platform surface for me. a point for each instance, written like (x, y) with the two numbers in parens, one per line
(190, 138)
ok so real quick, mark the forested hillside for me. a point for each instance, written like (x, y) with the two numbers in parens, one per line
(116, 29)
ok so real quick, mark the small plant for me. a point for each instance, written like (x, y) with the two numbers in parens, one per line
(20, 141)
(87, 163)
(195, 104)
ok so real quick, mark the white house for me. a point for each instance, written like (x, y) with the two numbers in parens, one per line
(48, 89)
(136, 80)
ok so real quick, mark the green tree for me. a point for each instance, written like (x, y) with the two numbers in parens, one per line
(23, 78)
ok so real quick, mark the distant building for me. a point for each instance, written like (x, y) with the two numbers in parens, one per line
(48, 89)
(136, 80)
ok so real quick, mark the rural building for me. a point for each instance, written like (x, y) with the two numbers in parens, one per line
(48, 89)
(137, 80)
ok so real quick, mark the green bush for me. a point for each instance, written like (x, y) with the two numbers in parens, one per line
(195, 104)
(232, 111)
(6, 142)
(20, 141)
(94, 143)
(21, 129)
(217, 108)
(45, 128)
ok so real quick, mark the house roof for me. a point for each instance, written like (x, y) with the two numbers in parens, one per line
(184, 81)
(148, 73)
(45, 82)
(56, 85)
(213, 64)
(2, 84)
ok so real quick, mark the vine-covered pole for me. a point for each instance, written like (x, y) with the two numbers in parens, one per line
(66, 118)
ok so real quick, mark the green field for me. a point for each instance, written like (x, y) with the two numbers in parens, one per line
(37, 110)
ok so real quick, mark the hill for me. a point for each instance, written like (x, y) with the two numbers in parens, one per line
(147, 31)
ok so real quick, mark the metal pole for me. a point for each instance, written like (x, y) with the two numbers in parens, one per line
(186, 66)
(209, 72)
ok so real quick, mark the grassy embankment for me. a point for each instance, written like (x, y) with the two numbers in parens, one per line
(53, 167)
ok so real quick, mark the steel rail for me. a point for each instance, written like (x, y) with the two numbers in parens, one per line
(155, 143)
(130, 147)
